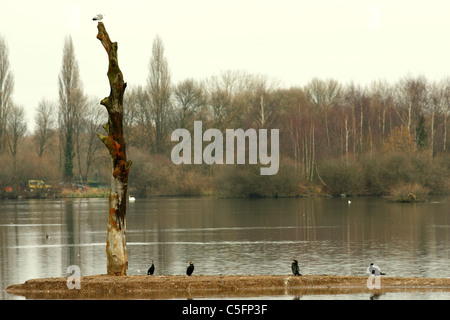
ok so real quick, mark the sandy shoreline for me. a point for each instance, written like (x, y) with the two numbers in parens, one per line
(181, 287)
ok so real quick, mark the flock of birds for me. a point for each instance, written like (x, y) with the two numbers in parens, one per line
(373, 269)
(189, 270)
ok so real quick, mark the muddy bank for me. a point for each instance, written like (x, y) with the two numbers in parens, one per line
(174, 287)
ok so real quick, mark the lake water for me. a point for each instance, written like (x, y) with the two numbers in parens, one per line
(230, 236)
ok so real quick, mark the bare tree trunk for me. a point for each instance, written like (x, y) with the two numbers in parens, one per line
(384, 126)
(432, 134)
(116, 250)
(306, 154)
(361, 133)
(313, 155)
(409, 116)
(6, 89)
(346, 139)
(293, 130)
(445, 131)
(326, 128)
(78, 148)
(263, 114)
(354, 131)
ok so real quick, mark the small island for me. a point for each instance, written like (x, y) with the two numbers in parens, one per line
(215, 286)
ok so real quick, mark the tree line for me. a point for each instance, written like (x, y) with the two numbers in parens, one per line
(335, 138)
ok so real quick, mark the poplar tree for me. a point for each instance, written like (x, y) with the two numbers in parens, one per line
(71, 104)
(6, 89)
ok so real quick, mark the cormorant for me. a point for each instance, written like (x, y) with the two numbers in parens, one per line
(151, 269)
(295, 268)
(375, 270)
(190, 269)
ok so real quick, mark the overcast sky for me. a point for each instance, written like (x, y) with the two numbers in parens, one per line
(289, 40)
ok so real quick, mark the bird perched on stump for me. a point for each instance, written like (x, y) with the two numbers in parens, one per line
(295, 268)
(375, 270)
(151, 270)
(98, 17)
(190, 269)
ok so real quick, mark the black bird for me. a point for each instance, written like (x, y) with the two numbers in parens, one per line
(151, 269)
(190, 269)
(295, 269)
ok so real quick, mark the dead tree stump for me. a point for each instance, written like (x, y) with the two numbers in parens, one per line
(116, 250)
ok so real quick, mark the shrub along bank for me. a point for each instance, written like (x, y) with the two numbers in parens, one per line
(393, 174)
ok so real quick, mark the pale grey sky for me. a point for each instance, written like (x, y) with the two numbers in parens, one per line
(290, 40)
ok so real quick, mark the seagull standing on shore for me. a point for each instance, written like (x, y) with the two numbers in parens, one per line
(375, 270)
(98, 17)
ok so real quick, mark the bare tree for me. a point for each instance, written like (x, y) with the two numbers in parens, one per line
(263, 114)
(221, 103)
(410, 95)
(16, 129)
(80, 129)
(324, 93)
(95, 118)
(71, 102)
(159, 93)
(188, 100)
(301, 127)
(293, 120)
(45, 125)
(261, 95)
(446, 109)
(6, 88)
(437, 98)
(129, 113)
(138, 125)
(355, 97)
(221, 91)
(381, 98)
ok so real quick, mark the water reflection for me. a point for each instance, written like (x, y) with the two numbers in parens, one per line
(224, 236)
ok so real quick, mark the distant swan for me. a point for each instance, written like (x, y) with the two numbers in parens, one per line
(131, 199)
